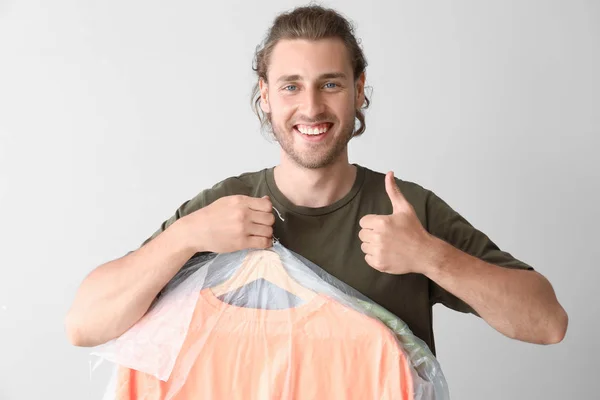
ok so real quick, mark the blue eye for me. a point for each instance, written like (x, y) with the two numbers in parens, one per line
(289, 86)
(331, 83)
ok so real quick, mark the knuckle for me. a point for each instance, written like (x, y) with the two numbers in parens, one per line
(239, 200)
(240, 215)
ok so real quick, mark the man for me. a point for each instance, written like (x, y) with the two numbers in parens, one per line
(393, 240)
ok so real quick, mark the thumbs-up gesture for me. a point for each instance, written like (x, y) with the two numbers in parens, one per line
(396, 243)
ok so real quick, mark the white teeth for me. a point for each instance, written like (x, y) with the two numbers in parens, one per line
(311, 131)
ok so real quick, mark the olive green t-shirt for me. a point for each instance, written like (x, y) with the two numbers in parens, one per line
(328, 236)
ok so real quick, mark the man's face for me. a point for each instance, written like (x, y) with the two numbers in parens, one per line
(312, 98)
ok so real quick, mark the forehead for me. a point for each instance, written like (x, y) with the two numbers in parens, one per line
(309, 58)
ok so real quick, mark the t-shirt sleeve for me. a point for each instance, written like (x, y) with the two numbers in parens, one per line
(186, 208)
(448, 225)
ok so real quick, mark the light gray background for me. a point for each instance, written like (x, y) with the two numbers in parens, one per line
(113, 113)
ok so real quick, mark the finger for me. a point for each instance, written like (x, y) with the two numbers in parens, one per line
(259, 242)
(262, 218)
(260, 230)
(367, 236)
(260, 204)
(368, 221)
(370, 260)
(367, 248)
(396, 197)
(374, 222)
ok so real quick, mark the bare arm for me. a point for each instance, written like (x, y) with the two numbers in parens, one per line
(520, 304)
(115, 295)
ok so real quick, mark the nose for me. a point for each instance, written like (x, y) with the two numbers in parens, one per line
(314, 104)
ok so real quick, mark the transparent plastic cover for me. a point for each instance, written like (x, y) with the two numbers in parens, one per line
(268, 324)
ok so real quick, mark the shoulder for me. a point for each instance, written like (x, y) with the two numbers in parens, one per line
(249, 183)
(246, 183)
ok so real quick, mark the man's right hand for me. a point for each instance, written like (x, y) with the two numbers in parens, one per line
(121, 291)
(232, 223)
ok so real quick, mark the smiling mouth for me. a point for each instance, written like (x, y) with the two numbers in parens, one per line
(313, 130)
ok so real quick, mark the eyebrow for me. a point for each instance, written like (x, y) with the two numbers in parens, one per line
(330, 75)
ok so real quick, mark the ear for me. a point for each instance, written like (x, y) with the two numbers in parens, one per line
(360, 90)
(264, 96)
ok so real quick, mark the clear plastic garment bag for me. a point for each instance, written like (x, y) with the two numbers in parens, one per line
(268, 324)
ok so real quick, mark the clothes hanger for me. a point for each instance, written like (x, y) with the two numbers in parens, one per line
(263, 264)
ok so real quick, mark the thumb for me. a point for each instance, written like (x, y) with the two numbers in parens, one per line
(393, 192)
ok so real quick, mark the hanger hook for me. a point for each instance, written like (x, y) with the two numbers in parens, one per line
(277, 211)
(276, 240)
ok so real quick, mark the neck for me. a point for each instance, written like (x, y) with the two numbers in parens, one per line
(320, 187)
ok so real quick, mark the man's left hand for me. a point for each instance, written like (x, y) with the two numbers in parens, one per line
(396, 243)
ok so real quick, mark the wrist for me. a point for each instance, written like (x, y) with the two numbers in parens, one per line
(437, 255)
(187, 237)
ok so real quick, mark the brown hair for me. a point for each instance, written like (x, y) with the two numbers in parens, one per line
(313, 23)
